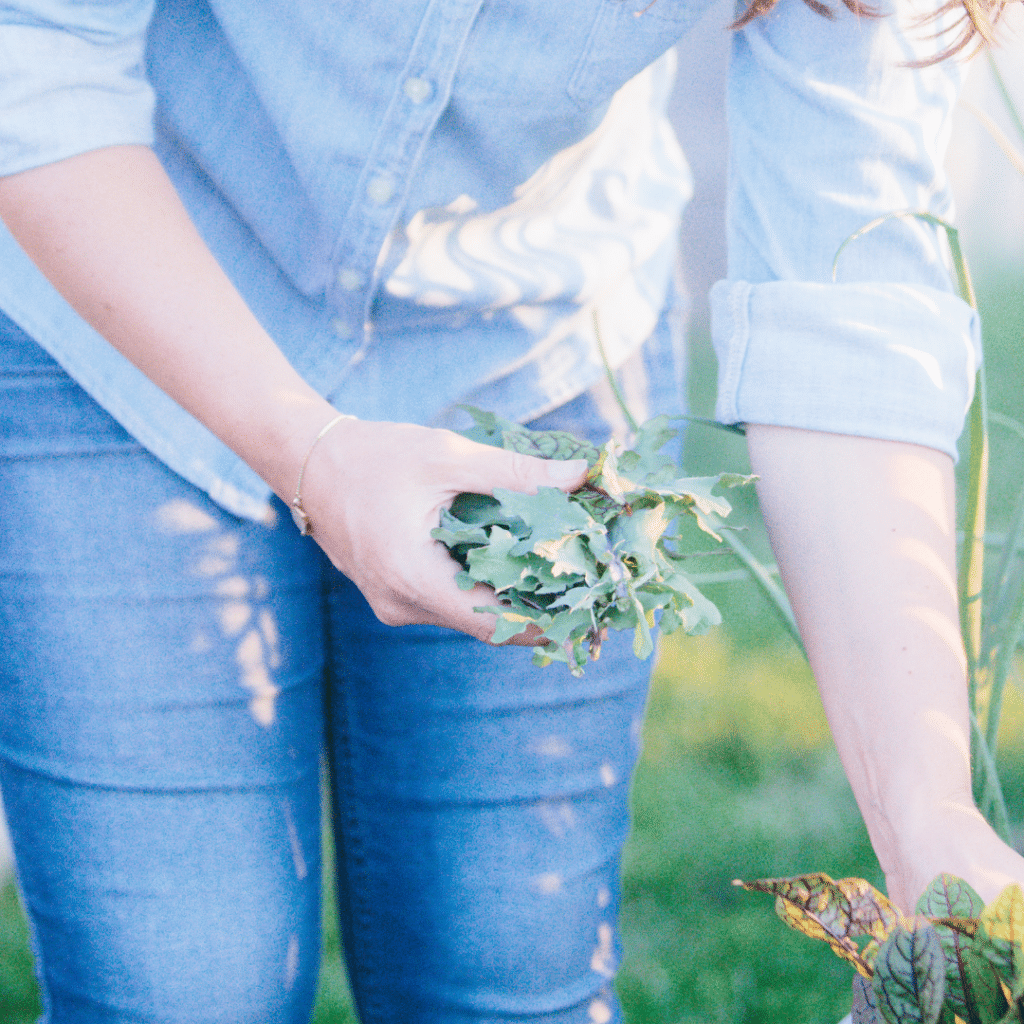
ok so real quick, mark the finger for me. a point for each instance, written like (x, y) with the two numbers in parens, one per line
(456, 609)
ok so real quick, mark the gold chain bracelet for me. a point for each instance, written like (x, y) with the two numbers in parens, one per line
(298, 512)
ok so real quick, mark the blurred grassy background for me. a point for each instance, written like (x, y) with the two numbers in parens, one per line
(739, 778)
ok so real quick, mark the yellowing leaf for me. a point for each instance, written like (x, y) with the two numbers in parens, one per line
(871, 913)
(815, 906)
(1000, 936)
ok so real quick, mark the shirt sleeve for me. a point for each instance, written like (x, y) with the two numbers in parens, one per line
(829, 129)
(72, 79)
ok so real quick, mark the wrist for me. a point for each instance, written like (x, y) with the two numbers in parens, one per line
(936, 836)
(299, 514)
(275, 444)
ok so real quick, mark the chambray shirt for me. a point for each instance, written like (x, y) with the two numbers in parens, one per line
(426, 201)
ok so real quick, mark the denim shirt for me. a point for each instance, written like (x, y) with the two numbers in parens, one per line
(426, 201)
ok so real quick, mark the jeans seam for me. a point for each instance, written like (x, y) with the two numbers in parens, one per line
(350, 852)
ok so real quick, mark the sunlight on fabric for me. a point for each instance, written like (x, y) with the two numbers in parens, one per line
(548, 883)
(925, 360)
(603, 961)
(181, 516)
(557, 816)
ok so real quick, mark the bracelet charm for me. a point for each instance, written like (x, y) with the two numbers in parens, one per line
(299, 514)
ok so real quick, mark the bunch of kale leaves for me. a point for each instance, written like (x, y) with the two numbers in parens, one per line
(608, 556)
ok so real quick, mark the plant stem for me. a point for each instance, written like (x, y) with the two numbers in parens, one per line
(973, 552)
(763, 578)
(1001, 669)
(633, 425)
(988, 793)
(971, 571)
(1011, 544)
(1005, 93)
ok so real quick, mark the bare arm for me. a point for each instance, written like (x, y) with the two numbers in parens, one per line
(109, 231)
(864, 533)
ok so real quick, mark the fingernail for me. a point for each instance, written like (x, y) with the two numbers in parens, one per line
(567, 470)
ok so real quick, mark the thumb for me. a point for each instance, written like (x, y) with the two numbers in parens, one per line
(566, 474)
(513, 471)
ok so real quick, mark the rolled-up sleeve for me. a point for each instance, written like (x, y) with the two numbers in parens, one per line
(830, 129)
(72, 79)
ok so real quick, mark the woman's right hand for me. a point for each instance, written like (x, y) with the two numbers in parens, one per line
(374, 491)
(108, 230)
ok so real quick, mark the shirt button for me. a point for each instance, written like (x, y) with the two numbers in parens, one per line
(380, 190)
(342, 330)
(349, 279)
(419, 90)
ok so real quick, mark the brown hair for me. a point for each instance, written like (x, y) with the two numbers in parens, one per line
(976, 23)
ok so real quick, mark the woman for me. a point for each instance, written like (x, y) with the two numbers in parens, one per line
(217, 216)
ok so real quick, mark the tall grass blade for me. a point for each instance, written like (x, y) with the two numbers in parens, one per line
(972, 555)
(963, 275)
(1004, 655)
(730, 428)
(988, 793)
(998, 135)
(613, 383)
(763, 578)
(1005, 93)
(1011, 544)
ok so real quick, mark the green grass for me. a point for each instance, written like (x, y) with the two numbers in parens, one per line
(739, 778)
(19, 998)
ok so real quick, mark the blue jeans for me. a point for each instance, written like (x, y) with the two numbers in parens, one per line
(170, 678)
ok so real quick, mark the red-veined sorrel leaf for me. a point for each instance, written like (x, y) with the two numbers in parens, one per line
(865, 1002)
(999, 938)
(910, 974)
(949, 896)
(815, 906)
(972, 986)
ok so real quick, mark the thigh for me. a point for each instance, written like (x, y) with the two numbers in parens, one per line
(161, 723)
(480, 811)
(481, 803)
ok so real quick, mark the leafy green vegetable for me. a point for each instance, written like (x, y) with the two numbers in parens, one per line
(972, 986)
(609, 556)
(1000, 939)
(865, 1003)
(910, 974)
(835, 912)
(955, 962)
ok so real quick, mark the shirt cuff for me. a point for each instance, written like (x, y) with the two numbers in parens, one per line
(62, 94)
(888, 361)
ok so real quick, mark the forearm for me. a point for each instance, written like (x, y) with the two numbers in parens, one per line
(864, 534)
(109, 231)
